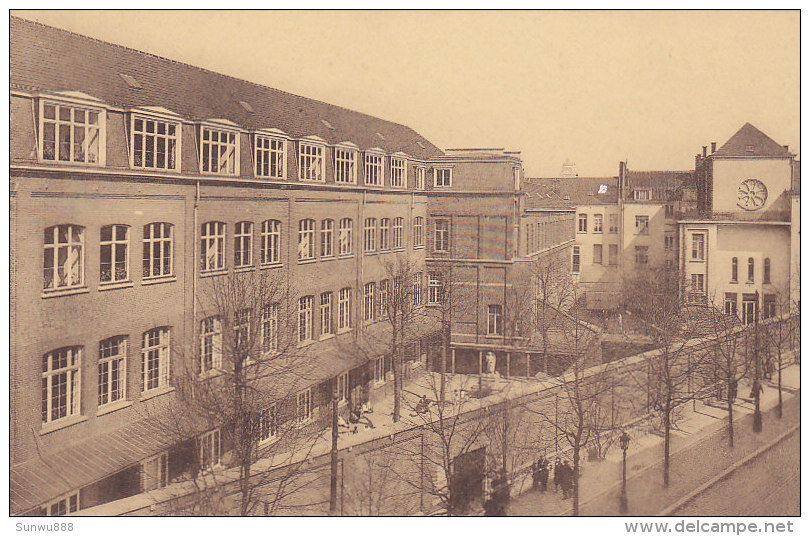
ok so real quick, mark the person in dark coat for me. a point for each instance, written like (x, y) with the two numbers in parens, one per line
(544, 475)
(557, 474)
(535, 475)
(566, 480)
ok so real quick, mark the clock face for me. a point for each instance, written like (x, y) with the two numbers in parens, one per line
(752, 194)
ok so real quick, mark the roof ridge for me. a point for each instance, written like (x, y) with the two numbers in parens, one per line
(184, 64)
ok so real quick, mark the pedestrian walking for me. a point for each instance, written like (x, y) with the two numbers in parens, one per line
(557, 474)
(544, 475)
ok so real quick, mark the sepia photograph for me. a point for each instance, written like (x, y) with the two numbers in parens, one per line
(372, 263)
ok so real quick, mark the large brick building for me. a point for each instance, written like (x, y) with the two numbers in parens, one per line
(137, 181)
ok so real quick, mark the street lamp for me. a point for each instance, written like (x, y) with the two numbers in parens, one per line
(624, 442)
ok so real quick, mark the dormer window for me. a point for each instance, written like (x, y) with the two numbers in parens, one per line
(346, 164)
(155, 143)
(310, 160)
(373, 170)
(641, 194)
(71, 133)
(271, 156)
(398, 173)
(219, 151)
(749, 148)
(442, 177)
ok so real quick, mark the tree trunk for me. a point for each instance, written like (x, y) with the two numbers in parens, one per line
(730, 407)
(396, 369)
(575, 481)
(667, 426)
(779, 383)
(442, 372)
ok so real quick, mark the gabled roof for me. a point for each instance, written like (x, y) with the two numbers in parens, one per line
(750, 141)
(43, 58)
(571, 191)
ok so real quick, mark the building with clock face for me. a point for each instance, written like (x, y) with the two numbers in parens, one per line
(740, 248)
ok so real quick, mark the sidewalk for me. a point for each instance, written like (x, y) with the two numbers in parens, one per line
(699, 450)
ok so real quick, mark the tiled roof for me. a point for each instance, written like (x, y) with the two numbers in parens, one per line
(750, 141)
(663, 185)
(43, 58)
(571, 191)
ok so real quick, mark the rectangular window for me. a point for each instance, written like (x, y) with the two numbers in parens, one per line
(613, 255)
(641, 194)
(310, 162)
(64, 257)
(155, 472)
(304, 409)
(114, 254)
(669, 242)
(369, 301)
(72, 134)
(154, 143)
(212, 250)
(210, 344)
(210, 450)
(327, 238)
(379, 370)
(61, 506)
(343, 387)
(385, 230)
(374, 169)
(344, 308)
(306, 239)
(112, 370)
(219, 151)
(766, 270)
(642, 254)
(398, 173)
(271, 242)
(270, 157)
(575, 259)
(597, 253)
(369, 235)
(494, 320)
(768, 306)
(241, 335)
(305, 305)
(155, 358)
(443, 178)
(345, 165)
(243, 244)
(417, 289)
(642, 225)
(434, 288)
(61, 384)
(420, 178)
(730, 303)
(397, 242)
(582, 223)
(597, 223)
(418, 232)
(442, 236)
(749, 307)
(698, 247)
(158, 250)
(697, 283)
(270, 327)
(614, 223)
(669, 211)
(345, 237)
(326, 313)
(383, 300)
(268, 425)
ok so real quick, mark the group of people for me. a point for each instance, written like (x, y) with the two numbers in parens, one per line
(563, 475)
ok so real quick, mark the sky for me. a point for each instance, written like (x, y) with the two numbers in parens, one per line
(591, 87)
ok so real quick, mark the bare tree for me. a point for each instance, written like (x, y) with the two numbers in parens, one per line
(780, 331)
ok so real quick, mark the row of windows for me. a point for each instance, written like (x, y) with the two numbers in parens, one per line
(376, 296)
(699, 254)
(598, 223)
(749, 306)
(76, 134)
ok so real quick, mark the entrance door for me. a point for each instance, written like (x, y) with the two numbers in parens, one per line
(749, 307)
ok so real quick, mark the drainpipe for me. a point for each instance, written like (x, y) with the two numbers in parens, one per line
(194, 257)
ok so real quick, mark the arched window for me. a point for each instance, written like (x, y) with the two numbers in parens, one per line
(212, 246)
(750, 269)
(734, 269)
(766, 270)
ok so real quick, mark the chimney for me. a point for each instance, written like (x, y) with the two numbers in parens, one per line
(714, 146)
(787, 147)
(704, 151)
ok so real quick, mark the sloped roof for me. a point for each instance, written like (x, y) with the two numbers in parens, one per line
(43, 58)
(750, 141)
(571, 191)
(663, 185)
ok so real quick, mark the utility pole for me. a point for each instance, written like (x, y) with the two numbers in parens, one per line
(334, 460)
(757, 386)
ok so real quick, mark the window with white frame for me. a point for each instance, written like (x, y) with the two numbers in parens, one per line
(383, 300)
(305, 305)
(270, 157)
(420, 178)
(582, 223)
(385, 234)
(269, 424)
(418, 232)
(344, 308)
(641, 194)
(442, 177)
(326, 313)
(614, 223)
(70, 133)
(241, 334)
(441, 241)
(243, 244)
(61, 384)
(434, 288)
(397, 238)
(310, 162)
(64, 257)
(597, 223)
(114, 254)
(345, 165)
(416, 283)
(158, 250)
(379, 370)
(210, 343)
(494, 320)
(698, 246)
(398, 173)
(219, 151)
(373, 169)
(67, 504)
(155, 358)
(575, 260)
(155, 472)
(304, 406)
(327, 238)
(155, 143)
(369, 300)
(212, 246)
(210, 450)
(698, 283)
(271, 242)
(730, 303)
(642, 225)
(112, 370)
(345, 237)
(269, 328)
(369, 235)
(343, 387)
(642, 254)
(306, 239)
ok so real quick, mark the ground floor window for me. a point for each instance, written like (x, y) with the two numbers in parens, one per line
(268, 424)
(154, 472)
(305, 406)
(61, 506)
(210, 450)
